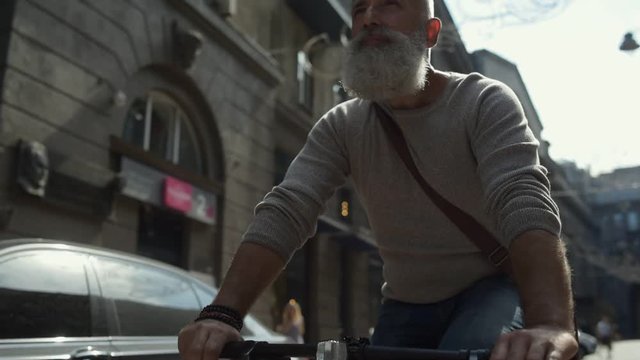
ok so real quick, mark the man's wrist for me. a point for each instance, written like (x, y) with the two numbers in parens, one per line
(223, 314)
(551, 314)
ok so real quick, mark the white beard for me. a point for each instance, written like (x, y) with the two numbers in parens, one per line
(397, 68)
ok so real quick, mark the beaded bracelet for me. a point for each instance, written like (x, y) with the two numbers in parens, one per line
(223, 314)
(225, 310)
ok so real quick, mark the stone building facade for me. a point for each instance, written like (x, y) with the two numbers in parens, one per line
(155, 127)
(158, 122)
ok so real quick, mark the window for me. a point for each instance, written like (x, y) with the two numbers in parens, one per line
(282, 162)
(633, 223)
(44, 294)
(618, 220)
(149, 301)
(305, 81)
(158, 125)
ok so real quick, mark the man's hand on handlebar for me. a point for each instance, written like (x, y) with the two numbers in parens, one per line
(540, 343)
(205, 339)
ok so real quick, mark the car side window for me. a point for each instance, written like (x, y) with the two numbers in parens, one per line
(149, 301)
(44, 293)
(205, 295)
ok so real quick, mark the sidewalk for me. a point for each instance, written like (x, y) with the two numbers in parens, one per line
(622, 350)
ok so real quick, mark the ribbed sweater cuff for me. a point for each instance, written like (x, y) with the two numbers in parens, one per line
(525, 220)
(264, 230)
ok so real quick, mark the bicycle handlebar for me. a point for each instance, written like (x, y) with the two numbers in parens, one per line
(251, 350)
(264, 350)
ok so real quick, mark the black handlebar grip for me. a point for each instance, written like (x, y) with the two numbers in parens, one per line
(480, 354)
(264, 350)
(392, 353)
(237, 349)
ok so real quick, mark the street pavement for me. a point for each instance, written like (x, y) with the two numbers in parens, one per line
(622, 350)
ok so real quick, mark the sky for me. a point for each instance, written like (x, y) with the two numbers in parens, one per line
(585, 90)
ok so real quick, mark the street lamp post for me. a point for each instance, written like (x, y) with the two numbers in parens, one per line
(629, 43)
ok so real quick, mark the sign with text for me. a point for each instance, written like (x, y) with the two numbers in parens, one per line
(177, 194)
(151, 186)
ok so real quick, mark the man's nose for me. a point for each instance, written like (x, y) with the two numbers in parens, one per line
(371, 17)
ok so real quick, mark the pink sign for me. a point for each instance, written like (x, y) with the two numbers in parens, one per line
(177, 194)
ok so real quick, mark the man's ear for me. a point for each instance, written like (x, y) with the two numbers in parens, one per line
(434, 25)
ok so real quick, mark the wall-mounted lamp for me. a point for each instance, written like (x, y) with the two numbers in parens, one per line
(629, 43)
(330, 71)
(306, 48)
(187, 45)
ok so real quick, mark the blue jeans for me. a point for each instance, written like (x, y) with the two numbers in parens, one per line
(473, 319)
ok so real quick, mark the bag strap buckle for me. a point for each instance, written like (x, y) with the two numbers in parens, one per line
(498, 256)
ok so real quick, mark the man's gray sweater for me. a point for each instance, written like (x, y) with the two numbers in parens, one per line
(473, 145)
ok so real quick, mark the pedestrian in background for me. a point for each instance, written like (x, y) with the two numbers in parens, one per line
(604, 333)
(292, 322)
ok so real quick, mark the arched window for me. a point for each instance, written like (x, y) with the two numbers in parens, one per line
(158, 125)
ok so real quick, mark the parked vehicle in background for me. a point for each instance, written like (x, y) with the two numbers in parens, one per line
(587, 344)
(68, 301)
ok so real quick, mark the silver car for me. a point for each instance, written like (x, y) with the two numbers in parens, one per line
(69, 301)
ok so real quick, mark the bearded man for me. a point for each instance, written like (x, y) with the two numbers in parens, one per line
(468, 136)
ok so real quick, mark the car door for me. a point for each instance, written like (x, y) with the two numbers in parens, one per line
(46, 307)
(147, 305)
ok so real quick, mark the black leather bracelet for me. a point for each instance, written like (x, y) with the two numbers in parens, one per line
(220, 317)
(223, 314)
(225, 310)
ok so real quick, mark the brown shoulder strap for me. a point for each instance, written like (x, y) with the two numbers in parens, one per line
(497, 254)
